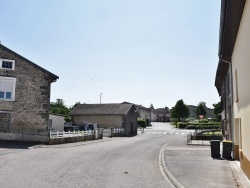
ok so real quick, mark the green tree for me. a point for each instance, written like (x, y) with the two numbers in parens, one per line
(59, 107)
(217, 110)
(180, 110)
(201, 109)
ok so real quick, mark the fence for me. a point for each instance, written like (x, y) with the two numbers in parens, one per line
(198, 138)
(75, 136)
(58, 134)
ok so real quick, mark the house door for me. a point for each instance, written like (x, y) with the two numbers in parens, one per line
(131, 128)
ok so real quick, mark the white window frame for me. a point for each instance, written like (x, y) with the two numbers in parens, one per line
(12, 80)
(8, 60)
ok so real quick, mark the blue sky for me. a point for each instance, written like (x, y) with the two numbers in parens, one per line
(141, 51)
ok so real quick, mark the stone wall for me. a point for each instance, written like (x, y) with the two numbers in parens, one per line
(28, 113)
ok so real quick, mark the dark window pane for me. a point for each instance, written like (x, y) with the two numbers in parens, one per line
(7, 64)
(8, 95)
(1, 95)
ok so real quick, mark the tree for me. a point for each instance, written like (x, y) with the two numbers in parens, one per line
(201, 109)
(59, 107)
(152, 107)
(180, 110)
(217, 110)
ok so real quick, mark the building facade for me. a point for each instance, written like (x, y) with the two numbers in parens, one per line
(232, 77)
(107, 116)
(160, 115)
(24, 98)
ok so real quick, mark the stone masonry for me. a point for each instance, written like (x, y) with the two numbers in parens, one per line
(26, 117)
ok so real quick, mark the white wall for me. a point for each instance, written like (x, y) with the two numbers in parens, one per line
(241, 63)
(57, 122)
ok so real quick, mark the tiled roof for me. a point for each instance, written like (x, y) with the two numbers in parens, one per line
(101, 109)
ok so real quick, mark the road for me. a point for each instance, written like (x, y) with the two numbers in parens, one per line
(111, 162)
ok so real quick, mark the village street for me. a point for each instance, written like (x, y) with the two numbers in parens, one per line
(111, 162)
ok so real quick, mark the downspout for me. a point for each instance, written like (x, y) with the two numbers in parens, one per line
(232, 104)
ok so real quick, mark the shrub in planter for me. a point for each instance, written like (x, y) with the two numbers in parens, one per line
(181, 125)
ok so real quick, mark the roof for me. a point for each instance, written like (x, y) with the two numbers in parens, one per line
(161, 110)
(230, 18)
(101, 109)
(231, 13)
(53, 76)
(137, 105)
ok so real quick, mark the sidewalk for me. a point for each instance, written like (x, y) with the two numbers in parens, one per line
(192, 166)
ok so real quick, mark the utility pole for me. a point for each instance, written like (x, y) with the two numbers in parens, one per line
(101, 98)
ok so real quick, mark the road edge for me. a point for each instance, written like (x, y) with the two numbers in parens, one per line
(164, 170)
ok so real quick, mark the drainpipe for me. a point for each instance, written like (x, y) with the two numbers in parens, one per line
(232, 103)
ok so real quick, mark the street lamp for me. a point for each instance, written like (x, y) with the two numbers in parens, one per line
(101, 98)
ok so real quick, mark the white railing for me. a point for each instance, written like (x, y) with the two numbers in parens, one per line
(59, 134)
(118, 130)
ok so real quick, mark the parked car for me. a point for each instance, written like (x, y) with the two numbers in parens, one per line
(88, 126)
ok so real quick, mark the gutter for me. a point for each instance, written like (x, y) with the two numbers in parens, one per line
(231, 100)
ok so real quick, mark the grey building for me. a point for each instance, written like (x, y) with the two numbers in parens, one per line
(24, 98)
(161, 115)
(107, 115)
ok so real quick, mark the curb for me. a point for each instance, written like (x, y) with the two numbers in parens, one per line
(164, 169)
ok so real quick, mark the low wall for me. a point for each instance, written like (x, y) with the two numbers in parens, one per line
(63, 140)
(24, 137)
(206, 138)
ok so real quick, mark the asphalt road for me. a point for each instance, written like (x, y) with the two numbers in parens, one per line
(111, 162)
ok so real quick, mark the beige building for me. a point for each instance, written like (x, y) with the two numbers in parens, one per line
(232, 77)
(107, 115)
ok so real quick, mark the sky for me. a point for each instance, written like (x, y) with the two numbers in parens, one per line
(141, 51)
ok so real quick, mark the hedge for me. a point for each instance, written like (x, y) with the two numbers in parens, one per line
(187, 125)
(204, 126)
(142, 123)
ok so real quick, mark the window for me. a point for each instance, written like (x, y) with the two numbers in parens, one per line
(7, 88)
(7, 64)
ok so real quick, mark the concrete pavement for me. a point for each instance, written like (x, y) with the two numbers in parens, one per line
(192, 166)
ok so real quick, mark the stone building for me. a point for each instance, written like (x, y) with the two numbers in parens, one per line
(24, 98)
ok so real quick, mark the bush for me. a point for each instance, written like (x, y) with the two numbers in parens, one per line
(191, 127)
(67, 119)
(142, 123)
(181, 125)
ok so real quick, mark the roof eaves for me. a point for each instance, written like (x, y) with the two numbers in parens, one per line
(230, 18)
(55, 77)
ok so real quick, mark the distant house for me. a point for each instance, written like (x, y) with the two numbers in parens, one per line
(144, 113)
(56, 122)
(232, 77)
(24, 98)
(107, 115)
(161, 115)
